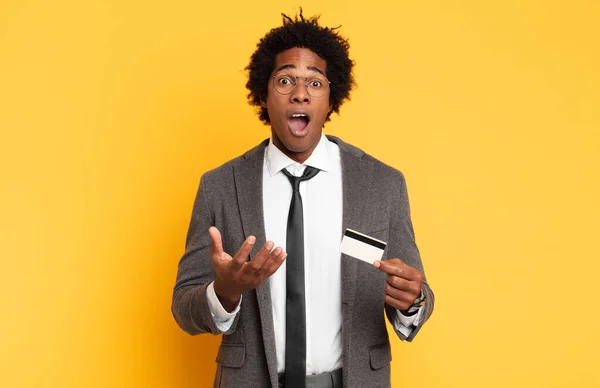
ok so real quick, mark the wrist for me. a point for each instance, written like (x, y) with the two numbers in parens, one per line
(228, 301)
(229, 304)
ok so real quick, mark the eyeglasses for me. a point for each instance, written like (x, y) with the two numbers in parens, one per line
(316, 85)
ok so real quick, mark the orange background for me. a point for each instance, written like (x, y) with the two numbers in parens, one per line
(111, 110)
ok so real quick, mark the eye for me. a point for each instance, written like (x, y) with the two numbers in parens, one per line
(284, 81)
(315, 84)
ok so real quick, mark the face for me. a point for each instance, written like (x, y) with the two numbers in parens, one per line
(297, 118)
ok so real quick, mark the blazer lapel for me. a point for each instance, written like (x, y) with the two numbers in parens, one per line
(356, 186)
(248, 185)
(248, 182)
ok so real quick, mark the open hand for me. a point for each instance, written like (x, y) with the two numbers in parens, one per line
(234, 275)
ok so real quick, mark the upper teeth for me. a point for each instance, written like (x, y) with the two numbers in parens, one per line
(298, 115)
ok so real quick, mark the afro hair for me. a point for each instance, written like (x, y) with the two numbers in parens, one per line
(300, 32)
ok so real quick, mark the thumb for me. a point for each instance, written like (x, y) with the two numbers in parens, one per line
(388, 266)
(216, 244)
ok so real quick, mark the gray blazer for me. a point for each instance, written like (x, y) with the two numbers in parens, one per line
(230, 198)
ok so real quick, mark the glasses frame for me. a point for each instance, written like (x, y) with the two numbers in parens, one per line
(296, 84)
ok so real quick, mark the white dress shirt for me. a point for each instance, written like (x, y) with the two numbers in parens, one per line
(322, 208)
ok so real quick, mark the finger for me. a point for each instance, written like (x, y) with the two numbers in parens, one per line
(259, 259)
(216, 244)
(396, 303)
(399, 283)
(396, 267)
(242, 254)
(412, 274)
(262, 259)
(272, 264)
(391, 267)
(398, 294)
(396, 287)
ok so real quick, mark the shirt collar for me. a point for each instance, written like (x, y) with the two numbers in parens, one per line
(321, 157)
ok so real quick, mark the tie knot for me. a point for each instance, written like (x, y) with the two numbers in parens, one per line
(309, 172)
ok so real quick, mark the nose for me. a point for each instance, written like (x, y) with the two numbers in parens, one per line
(300, 93)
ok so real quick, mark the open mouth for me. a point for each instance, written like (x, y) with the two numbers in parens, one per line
(298, 123)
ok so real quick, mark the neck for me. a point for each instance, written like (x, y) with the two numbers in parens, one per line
(298, 157)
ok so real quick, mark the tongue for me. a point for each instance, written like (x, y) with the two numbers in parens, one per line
(297, 124)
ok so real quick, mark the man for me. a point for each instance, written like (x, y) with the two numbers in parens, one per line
(263, 264)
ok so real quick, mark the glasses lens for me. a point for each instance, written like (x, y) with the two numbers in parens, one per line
(316, 86)
(284, 83)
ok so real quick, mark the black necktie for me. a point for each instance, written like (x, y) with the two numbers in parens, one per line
(295, 312)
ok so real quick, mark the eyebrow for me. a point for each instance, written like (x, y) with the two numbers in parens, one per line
(291, 66)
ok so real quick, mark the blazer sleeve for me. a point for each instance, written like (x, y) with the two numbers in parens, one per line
(402, 245)
(190, 306)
